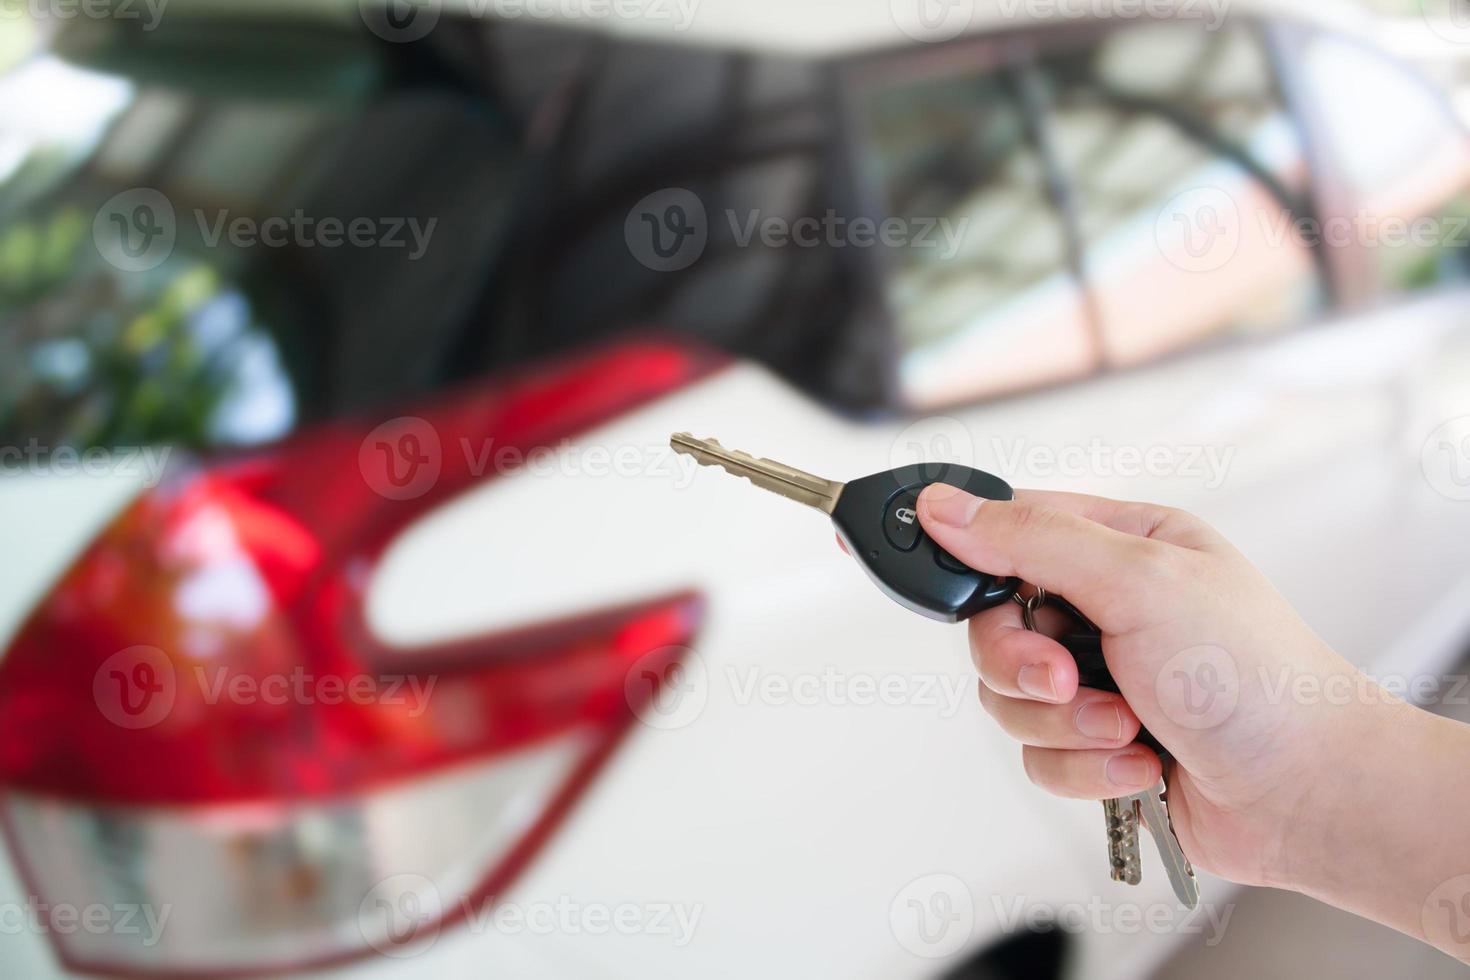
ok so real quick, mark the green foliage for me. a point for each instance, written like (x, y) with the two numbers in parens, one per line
(95, 357)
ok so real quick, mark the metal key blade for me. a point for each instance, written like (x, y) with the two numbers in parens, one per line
(1156, 818)
(765, 473)
(1125, 862)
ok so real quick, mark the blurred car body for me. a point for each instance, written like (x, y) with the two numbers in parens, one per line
(1094, 305)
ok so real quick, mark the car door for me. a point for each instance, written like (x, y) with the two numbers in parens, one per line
(1155, 302)
(1162, 239)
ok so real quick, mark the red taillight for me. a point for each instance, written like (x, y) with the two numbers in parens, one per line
(198, 717)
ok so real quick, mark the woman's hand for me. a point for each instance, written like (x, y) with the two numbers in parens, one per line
(1207, 654)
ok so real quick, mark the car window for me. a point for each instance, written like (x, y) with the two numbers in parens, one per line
(126, 346)
(1188, 177)
(216, 261)
(534, 163)
(700, 191)
(1404, 158)
(980, 287)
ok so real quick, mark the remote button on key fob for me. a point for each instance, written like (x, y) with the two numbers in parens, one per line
(877, 518)
(901, 519)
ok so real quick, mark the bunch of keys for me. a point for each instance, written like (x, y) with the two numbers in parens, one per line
(876, 517)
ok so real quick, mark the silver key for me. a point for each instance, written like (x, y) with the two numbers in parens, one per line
(1123, 814)
(1124, 858)
(767, 474)
(1151, 807)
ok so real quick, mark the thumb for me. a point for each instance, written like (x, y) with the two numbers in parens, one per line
(1094, 566)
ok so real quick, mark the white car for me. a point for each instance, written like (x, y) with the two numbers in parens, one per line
(430, 659)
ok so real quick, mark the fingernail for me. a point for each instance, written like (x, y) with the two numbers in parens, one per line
(1129, 769)
(1035, 680)
(1100, 720)
(948, 505)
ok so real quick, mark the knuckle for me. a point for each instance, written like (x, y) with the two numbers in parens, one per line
(1178, 519)
(989, 699)
(1002, 657)
(997, 655)
(1174, 522)
(1156, 564)
(1010, 727)
(1012, 719)
(1008, 646)
(1029, 764)
(1181, 526)
(983, 630)
(977, 660)
(1038, 769)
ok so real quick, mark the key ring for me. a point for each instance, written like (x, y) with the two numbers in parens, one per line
(1029, 607)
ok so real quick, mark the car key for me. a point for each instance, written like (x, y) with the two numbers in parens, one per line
(1150, 805)
(876, 518)
(1124, 860)
(1121, 816)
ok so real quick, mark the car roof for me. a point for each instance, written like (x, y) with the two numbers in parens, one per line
(810, 27)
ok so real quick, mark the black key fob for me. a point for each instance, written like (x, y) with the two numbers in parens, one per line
(877, 518)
